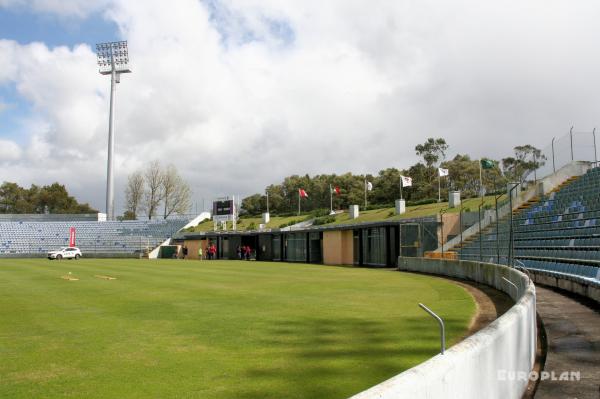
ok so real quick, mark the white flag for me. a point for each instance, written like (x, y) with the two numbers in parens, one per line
(369, 186)
(443, 172)
(406, 181)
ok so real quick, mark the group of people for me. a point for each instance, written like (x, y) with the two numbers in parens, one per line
(244, 252)
(211, 251)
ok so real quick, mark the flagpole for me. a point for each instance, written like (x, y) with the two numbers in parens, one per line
(298, 202)
(267, 201)
(480, 180)
(365, 194)
(401, 187)
(330, 199)
(439, 187)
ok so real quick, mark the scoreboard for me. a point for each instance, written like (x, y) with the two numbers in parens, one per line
(223, 208)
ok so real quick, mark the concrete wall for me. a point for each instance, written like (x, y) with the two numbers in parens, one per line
(192, 246)
(473, 368)
(550, 182)
(451, 225)
(338, 247)
(578, 285)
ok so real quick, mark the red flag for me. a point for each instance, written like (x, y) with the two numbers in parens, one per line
(302, 193)
(337, 190)
(72, 236)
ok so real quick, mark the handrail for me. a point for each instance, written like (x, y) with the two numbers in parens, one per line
(442, 327)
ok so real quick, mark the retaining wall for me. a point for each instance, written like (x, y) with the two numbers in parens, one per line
(587, 287)
(485, 364)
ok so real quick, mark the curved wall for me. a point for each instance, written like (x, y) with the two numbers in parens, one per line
(493, 363)
(587, 287)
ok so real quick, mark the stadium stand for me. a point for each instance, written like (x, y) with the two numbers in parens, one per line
(37, 236)
(559, 233)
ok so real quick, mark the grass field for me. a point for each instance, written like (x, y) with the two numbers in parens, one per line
(221, 329)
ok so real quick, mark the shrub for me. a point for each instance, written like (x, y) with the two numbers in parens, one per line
(290, 223)
(324, 220)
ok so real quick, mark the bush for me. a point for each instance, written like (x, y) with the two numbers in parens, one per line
(421, 202)
(324, 220)
(318, 212)
(290, 223)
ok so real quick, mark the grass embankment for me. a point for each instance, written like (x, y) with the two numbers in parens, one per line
(415, 211)
(253, 222)
(220, 329)
(373, 215)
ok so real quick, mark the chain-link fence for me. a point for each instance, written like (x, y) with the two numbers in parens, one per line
(573, 146)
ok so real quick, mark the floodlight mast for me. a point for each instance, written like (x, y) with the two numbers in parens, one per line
(113, 60)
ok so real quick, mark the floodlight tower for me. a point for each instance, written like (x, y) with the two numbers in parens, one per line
(113, 60)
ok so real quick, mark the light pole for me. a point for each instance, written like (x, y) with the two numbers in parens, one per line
(113, 60)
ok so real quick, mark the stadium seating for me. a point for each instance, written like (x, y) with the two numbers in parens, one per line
(559, 234)
(92, 237)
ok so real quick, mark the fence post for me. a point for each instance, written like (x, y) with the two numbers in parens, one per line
(497, 230)
(511, 233)
(461, 224)
(442, 327)
(535, 170)
(442, 211)
(595, 153)
(571, 134)
(553, 164)
(480, 235)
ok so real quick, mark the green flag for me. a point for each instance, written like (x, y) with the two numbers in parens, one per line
(487, 164)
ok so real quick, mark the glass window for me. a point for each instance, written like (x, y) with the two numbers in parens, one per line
(296, 247)
(276, 247)
(374, 246)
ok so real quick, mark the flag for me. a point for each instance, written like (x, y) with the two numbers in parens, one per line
(406, 181)
(369, 186)
(487, 163)
(442, 172)
(302, 193)
(72, 236)
(336, 190)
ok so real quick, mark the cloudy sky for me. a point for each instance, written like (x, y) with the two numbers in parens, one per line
(238, 94)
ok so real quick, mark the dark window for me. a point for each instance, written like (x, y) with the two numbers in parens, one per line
(296, 247)
(374, 250)
(277, 247)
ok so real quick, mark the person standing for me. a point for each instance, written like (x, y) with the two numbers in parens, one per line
(200, 252)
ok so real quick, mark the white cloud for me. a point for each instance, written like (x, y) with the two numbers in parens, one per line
(240, 94)
(9, 151)
(63, 8)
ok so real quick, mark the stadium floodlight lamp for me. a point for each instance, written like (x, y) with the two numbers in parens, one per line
(113, 60)
(113, 54)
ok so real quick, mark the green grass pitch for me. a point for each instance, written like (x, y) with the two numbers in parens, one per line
(220, 329)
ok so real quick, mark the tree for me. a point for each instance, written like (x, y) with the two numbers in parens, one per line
(176, 192)
(134, 194)
(432, 151)
(153, 196)
(253, 204)
(527, 159)
(53, 199)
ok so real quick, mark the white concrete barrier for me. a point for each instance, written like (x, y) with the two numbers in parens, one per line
(493, 363)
